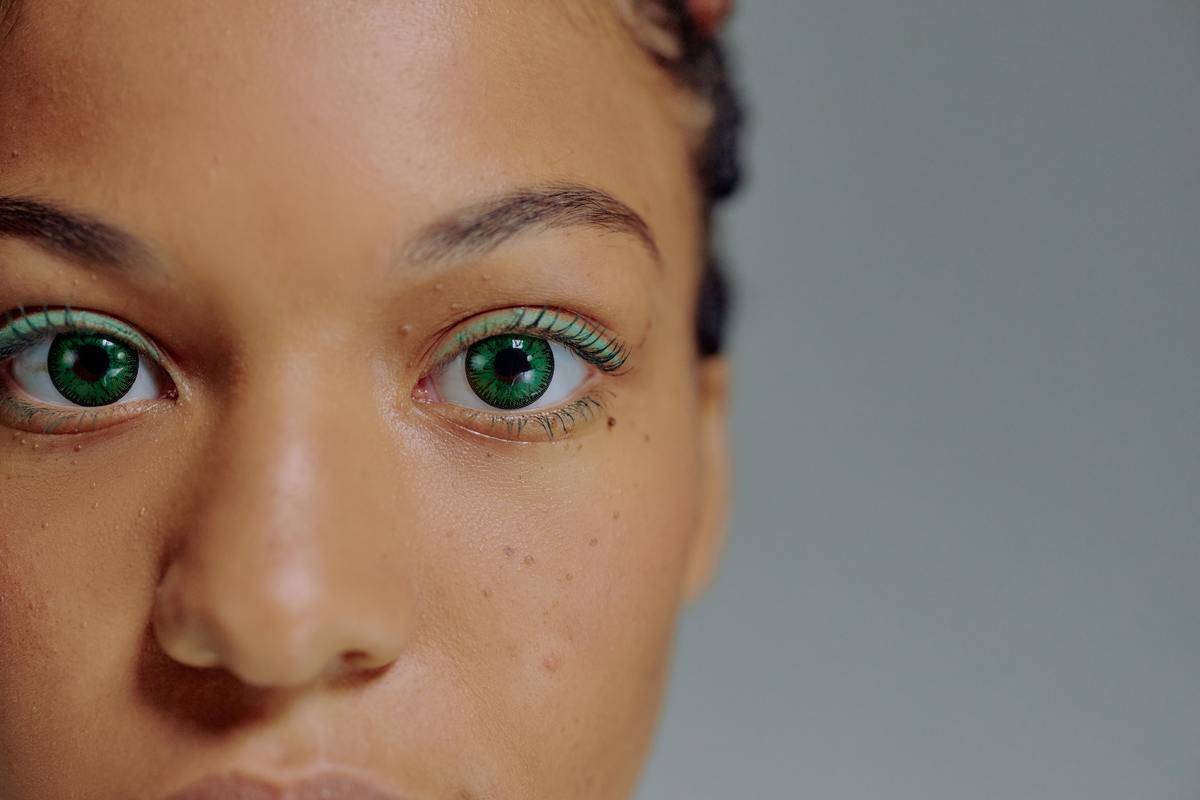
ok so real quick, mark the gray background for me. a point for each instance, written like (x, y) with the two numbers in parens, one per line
(965, 561)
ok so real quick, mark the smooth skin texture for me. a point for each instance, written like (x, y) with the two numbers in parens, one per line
(295, 562)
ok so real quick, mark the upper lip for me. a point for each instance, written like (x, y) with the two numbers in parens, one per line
(326, 786)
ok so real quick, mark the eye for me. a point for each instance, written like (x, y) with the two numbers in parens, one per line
(516, 372)
(70, 364)
(511, 372)
(85, 369)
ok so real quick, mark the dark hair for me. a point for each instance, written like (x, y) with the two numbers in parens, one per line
(700, 65)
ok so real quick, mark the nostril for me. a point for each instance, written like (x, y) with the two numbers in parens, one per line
(355, 659)
(354, 666)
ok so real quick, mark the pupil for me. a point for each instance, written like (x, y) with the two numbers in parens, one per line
(91, 363)
(511, 364)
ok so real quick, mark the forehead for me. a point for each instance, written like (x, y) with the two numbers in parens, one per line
(243, 105)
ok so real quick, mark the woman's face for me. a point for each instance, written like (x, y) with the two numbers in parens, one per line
(351, 418)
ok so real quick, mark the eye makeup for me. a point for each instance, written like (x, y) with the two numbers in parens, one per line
(499, 352)
(20, 328)
(590, 340)
(63, 370)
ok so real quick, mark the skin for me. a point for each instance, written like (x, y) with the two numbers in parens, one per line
(297, 561)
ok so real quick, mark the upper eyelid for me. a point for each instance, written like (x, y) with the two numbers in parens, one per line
(13, 339)
(544, 320)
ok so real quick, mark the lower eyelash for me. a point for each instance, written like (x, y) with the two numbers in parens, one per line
(37, 419)
(551, 422)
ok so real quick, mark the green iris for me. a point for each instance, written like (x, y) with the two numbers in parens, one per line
(510, 371)
(91, 369)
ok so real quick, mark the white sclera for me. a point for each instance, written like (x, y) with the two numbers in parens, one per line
(570, 371)
(31, 372)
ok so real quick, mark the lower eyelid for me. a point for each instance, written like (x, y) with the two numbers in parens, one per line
(543, 425)
(23, 412)
(30, 417)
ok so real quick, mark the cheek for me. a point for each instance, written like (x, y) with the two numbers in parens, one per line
(77, 573)
(559, 570)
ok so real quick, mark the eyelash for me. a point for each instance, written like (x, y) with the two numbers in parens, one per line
(46, 321)
(563, 419)
(590, 340)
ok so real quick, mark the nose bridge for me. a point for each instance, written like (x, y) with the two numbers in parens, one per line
(291, 567)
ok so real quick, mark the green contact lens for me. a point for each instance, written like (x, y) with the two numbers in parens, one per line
(91, 369)
(510, 371)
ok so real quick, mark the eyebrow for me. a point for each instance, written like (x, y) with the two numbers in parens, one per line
(480, 228)
(70, 234)
(470, 231)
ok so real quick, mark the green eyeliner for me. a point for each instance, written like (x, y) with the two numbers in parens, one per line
(591, 341)
(21, 328)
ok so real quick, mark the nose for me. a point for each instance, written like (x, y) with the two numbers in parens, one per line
(294, 568)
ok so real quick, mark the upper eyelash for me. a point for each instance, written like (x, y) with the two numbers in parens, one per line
(591, 341)
(44, 321)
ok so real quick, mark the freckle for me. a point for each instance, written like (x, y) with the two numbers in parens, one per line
(78, 448)
(612, 422)
(616, 515)
(487, 592)
(593, 542)
(646, 438)
(36, 446)
(508, 551)
(550, 662)
(95, 505)
(405, 330)
(529, 561)
(45, 525)
(569, 577)
(93, 484)
(74, 462)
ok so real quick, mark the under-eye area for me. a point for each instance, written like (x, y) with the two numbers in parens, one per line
(523, 373)
(65, 370)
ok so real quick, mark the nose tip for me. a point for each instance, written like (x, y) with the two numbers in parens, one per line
(269, 639)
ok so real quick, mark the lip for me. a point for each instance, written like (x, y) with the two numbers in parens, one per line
(326, 786)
